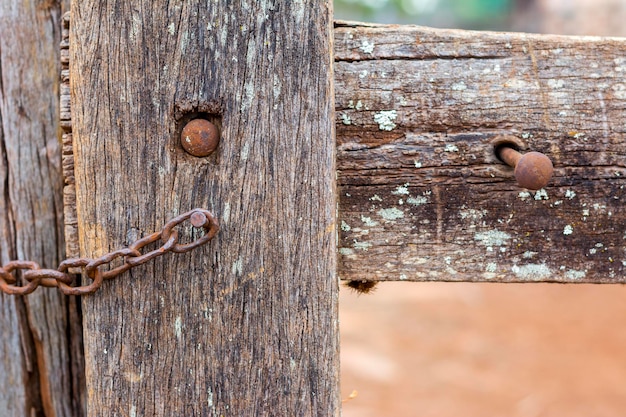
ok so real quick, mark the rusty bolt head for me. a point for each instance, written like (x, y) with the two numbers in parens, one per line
(198, 219)
(200, 137)
(533, 170)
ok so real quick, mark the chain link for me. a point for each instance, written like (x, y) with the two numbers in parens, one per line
(33, 276)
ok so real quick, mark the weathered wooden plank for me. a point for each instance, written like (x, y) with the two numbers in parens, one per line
(422, 195)
(246, 326)
(70, 223)
(36, 367)
(72, 247)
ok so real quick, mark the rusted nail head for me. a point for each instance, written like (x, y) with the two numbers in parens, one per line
(534, 170)
(198, 219)
(200, 137)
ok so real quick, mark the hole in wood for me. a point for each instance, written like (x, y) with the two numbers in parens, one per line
(533, 170)
(506, 142)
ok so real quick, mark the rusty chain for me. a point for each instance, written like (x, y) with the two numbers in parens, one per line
(33, 276)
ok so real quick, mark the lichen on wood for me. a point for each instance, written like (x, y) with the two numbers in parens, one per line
(439, 204)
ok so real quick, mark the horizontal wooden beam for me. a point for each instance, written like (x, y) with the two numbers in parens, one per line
(423, 196)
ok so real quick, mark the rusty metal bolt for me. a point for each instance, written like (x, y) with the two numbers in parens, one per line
(200, 137)
(533, 170)
(198, 219)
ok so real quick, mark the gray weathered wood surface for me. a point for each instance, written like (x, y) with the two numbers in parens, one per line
(38, 365)
(422, 195)
(70, 230)
(247, 325)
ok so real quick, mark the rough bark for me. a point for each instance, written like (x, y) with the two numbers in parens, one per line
(36, 370)
(422, 194)
(247, 325)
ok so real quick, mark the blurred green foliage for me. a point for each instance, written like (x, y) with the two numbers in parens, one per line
(461, 14)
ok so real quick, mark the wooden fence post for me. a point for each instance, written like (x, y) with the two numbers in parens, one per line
(247, 325)
(39, 367)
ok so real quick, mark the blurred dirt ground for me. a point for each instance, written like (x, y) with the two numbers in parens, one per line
(462, 349)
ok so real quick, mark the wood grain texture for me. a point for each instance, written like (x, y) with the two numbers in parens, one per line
(72, 248)
(36, 369)
(422, 195)
(70, 222)
(246, 326)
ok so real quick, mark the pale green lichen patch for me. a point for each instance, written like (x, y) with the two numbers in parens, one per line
(575, 275)
(555, 84)
(451, 148)
(490, 270)
(541, 195)
(391, 214)
(385, 119)
(460, 86)
(472, 214)
(532, 272)
(568, 230)
(375, 197)
(417, 201)
(346, 251)
(570, 194)
(368, 221)
(345, 226)
(401, 190)
(524, 195)
(451, 271)
(364, 246)
(367, 46)
(492, 238)
(357, 106)
(345, 119)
